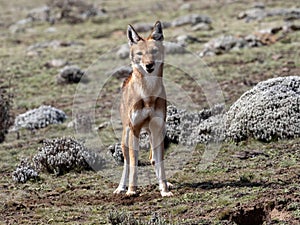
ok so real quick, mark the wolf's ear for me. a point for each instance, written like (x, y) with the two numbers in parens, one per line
(132, 35)
(157, 33)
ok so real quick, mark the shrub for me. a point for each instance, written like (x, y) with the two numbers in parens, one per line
(5, 113)
(39, 118)
(62, 155)
(24, 172)
(269, 111)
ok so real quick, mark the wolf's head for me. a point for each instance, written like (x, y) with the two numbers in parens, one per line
(146, 54)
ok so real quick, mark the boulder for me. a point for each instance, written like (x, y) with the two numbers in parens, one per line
(70, 74)
(123, 52)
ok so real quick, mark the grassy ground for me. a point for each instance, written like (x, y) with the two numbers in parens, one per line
(262, 186)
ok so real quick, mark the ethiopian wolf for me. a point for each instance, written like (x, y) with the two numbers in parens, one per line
(143, 106)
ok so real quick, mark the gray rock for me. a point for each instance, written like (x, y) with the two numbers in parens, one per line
(170, 48)
(258, 5)
(146, 27)
(253, 14)
(20, 25)
(223, 44)
(174, 48)
(56, 63)
(143, 27)
(270, 110)
(53, 44)
(39, 14)
(259, 13)
(83, 123)
(122, 72)
(202, 26)
(70, 74)
(191, 19)
(184, 40)
(39, 118)
(186, 6)
(74, 11)
(24, 21)
(123, 52)
(253, 41)
(47, 44)
(51, 30)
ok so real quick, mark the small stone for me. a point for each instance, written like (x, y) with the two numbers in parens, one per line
(174, 48)
(103, 125)
(51, 30)
(277, 57)
(186, 6)
(70, 74)
(184, 39)
(123, 52)
(33, 53)
(191, 19)
(143, 27)
(121, 72)
(39, 14)
(223, 44)
(202, 26)
(285, 69)
(56, 63)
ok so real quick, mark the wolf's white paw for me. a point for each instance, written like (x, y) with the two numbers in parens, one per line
(169, 185)
(119, 190)
(166, 193)
(131, 193)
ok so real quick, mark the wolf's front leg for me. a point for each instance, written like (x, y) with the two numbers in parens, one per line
(157, 139)
(122, 185)
(133, 155)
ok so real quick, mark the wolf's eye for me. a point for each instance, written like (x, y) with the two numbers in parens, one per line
(139, 53)
(154, 51)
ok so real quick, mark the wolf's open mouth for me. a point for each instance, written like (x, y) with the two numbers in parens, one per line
(150, 70)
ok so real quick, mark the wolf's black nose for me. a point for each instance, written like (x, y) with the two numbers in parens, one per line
(149, 66)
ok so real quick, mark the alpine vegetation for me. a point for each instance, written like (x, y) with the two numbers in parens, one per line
(5, 115)
(190, 128)
(39, 118)
(61, 155)
(24, 172)
(269, 111)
